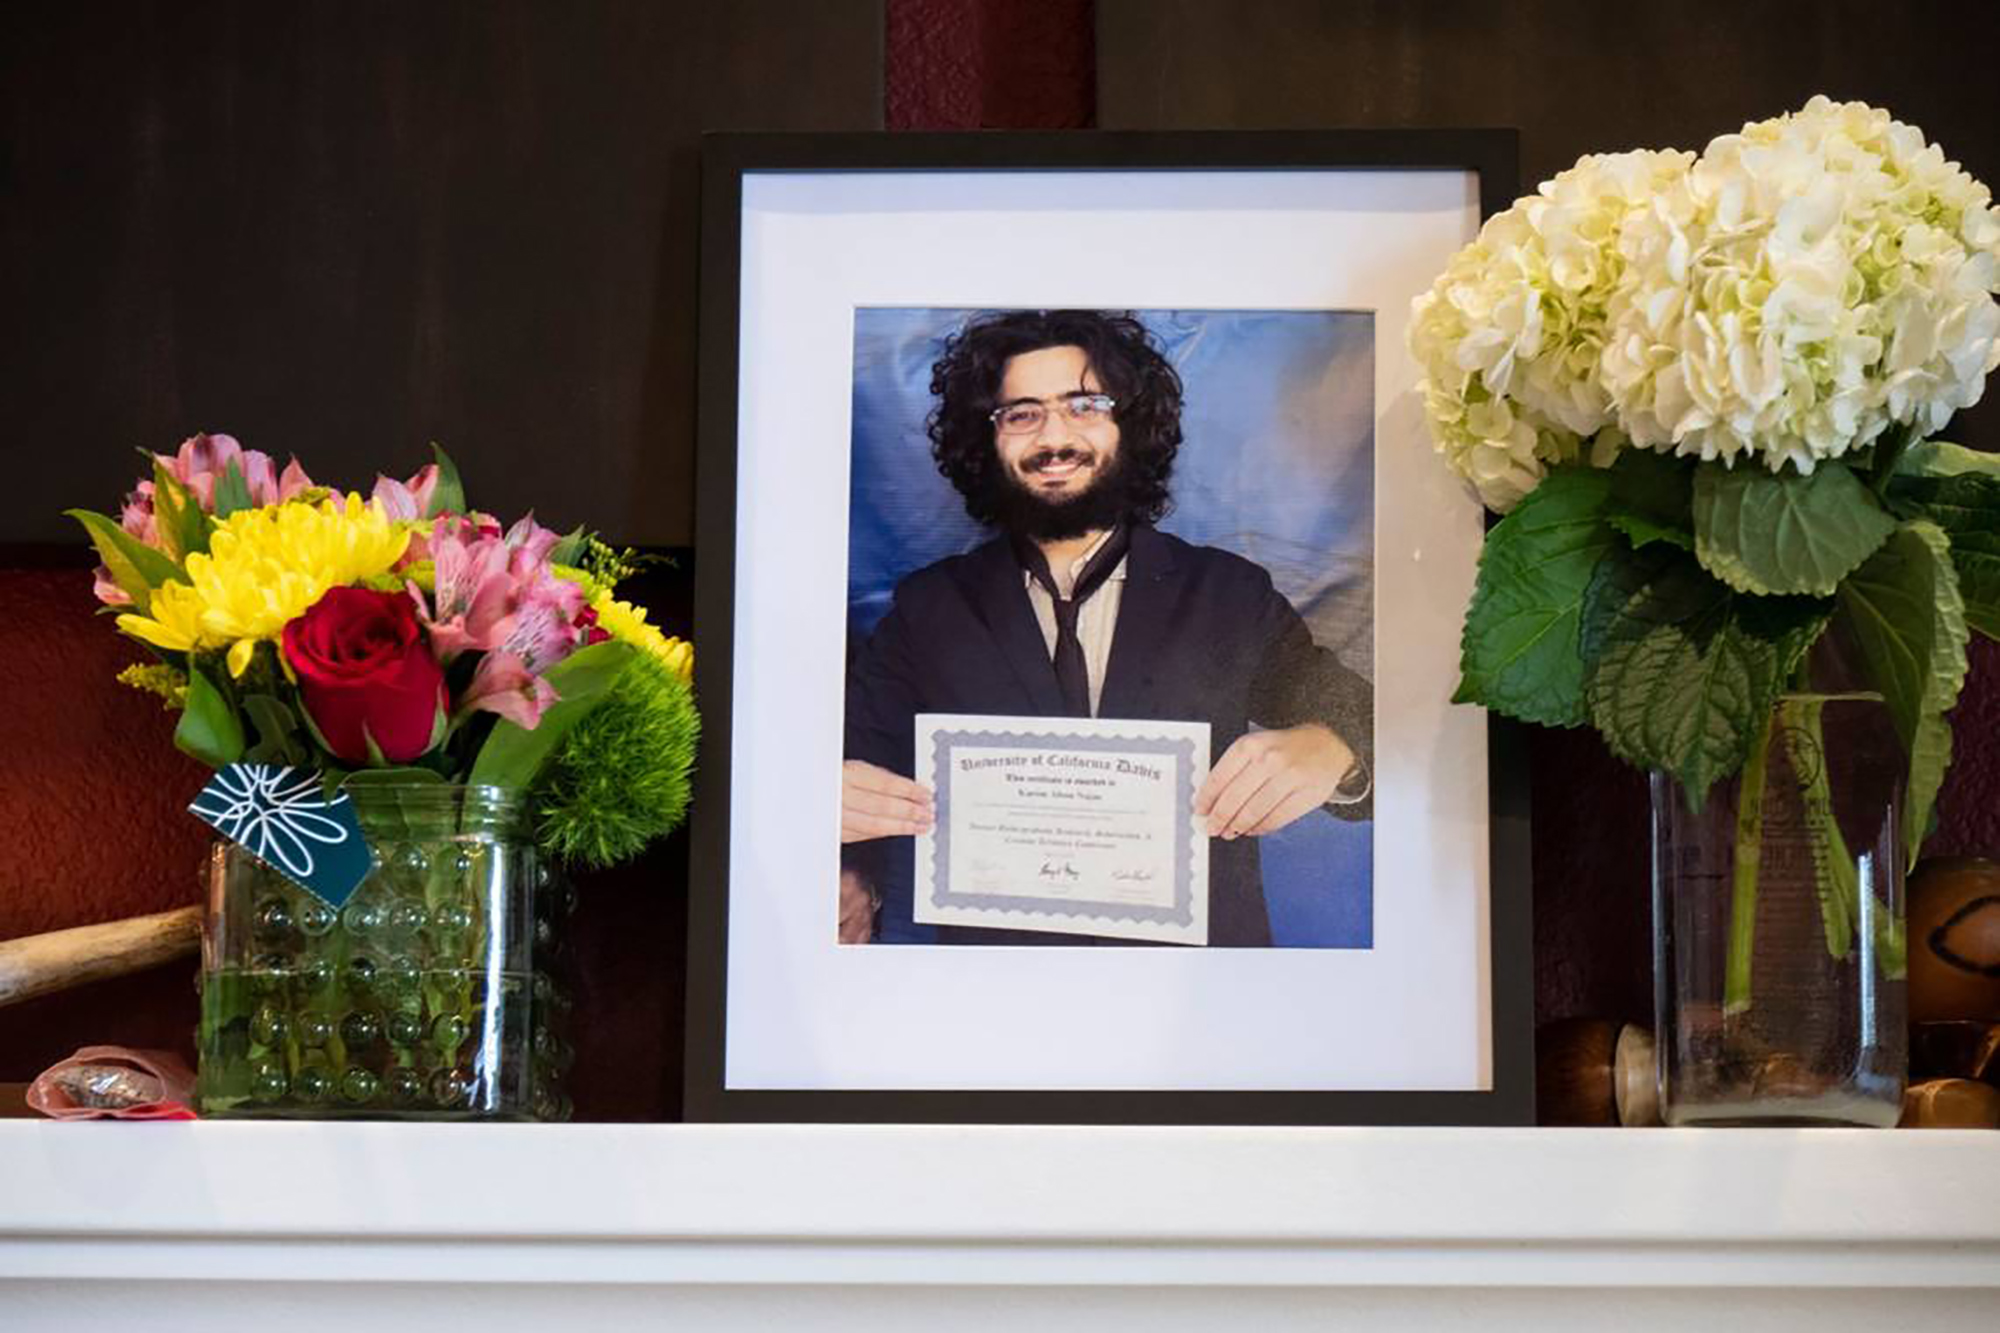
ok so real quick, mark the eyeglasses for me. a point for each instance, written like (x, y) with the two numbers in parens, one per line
(1028, 415)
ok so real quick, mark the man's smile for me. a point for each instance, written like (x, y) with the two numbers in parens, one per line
(1055, 466)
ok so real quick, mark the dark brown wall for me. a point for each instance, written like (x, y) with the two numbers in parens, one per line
(344, 228)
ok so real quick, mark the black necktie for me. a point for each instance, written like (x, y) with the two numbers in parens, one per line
(1072, 673)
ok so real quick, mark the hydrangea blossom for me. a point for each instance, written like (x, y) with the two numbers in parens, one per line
(1786, 297)
(1510, 336)
(1810, 281)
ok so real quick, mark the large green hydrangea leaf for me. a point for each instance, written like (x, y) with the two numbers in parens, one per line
(1782, 533)
(1961, 494)
(1904, 611)
(1686, 671)
(1520, 654)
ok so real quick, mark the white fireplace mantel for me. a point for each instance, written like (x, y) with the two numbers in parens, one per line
(304, 1226)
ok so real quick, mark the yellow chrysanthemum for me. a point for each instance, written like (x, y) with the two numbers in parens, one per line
(264, 568)
(627, 624)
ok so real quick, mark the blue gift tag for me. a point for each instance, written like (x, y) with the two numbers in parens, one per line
(282, 816)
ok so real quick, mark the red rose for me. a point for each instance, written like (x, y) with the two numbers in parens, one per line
(362, 662)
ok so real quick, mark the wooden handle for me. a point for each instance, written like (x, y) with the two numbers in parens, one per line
(38, 964)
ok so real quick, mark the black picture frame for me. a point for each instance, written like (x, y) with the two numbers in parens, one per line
(1491, 155)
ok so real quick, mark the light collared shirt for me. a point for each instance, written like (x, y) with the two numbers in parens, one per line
(1096, 617)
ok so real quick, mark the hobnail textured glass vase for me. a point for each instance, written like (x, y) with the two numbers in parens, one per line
(431, 993)
(1778, 934)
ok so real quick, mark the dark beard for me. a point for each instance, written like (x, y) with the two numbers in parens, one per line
(1102, 504)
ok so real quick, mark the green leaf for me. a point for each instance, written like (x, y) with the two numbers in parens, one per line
(1904, 612)
(513, 755)
(390, 777)
(1960, 502)
(277, 731)
(232, 491)
(1965, 502)
(1941, 458)
(209, 728)
(1652, 498)
(177, 516)
(1767, 533)
(135, 566)
(449, 496)
(1801, 732)
(1643, 532)
(388, 817)
(1686, 672)
(1979, 582)
(1520, 652)
(1886, 455)
(566, 551)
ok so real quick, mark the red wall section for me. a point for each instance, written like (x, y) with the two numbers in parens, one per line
(1969, 806)
(990, 64)
(93, 800)
(92, 793)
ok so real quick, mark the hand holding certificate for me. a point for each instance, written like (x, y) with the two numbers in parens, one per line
(1077, 826)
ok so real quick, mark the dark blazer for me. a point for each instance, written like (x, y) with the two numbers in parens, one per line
(1202, 636)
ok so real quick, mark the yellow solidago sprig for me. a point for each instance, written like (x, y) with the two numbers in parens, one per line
(158, 678)
(264, 568)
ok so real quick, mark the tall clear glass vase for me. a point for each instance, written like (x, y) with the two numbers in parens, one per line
(1778, 932)
(430, 994)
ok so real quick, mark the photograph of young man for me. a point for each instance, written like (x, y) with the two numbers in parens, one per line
(1059, 431)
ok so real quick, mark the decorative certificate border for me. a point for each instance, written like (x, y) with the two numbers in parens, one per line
(1180, 751)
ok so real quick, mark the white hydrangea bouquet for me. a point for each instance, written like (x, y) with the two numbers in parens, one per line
(1704, 390)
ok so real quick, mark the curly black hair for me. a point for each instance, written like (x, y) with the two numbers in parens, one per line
(966, 383)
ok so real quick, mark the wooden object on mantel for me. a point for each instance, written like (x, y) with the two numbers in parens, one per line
(1590, 1071)
(1951, 1103)
(39, 964)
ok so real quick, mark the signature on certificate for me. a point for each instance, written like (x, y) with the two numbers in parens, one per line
(1133, 876)
(1059, 869)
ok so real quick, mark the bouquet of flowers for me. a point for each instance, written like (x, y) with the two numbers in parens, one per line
(401, 635)
(1704, 390)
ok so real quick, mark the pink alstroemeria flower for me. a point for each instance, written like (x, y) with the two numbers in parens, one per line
(495, 592)
(473, 595)
(407, 501)
(203, 459)
(504, 684)
(198, 465)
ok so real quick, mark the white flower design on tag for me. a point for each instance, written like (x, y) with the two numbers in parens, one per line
(277, 813)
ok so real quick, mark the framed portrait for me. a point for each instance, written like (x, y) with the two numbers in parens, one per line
(1079, 597)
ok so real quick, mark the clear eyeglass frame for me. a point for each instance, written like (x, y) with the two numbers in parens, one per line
(1028, 415)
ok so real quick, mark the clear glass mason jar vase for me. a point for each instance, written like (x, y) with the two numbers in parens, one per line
(430, 994)
(1779, 960)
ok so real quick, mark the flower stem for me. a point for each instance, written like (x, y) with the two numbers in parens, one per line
(1834, 876)
(1743, 901)
(1888, 454)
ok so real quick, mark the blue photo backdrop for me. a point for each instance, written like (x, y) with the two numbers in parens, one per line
(1277, 466)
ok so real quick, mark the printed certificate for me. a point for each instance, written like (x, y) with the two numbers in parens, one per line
(1079, 826)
